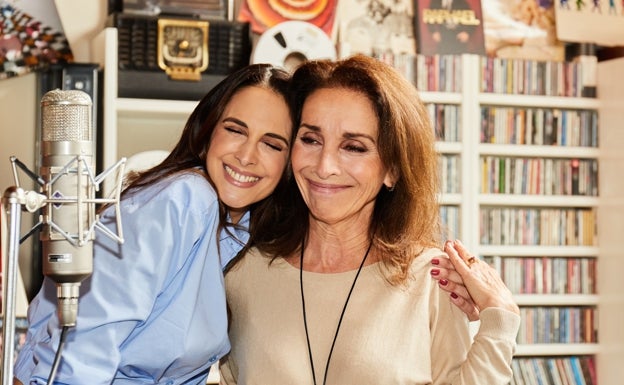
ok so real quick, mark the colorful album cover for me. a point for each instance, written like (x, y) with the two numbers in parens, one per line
(374, 27)
(445, 27)
(521, 29)
(264, 14)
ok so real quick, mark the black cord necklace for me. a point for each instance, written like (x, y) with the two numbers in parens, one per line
(305, 321)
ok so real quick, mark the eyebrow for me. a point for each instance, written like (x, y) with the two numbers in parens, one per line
(269, 134)
(278, 137)
(347, 135)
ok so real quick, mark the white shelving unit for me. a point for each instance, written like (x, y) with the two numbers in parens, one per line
(165, 118)
(470, 200)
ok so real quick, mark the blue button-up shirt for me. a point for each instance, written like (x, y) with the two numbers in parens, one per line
(154, 310)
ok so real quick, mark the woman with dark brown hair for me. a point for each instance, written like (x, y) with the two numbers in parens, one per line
(154, 311)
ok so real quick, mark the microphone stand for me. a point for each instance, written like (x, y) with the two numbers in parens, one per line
(14, 199)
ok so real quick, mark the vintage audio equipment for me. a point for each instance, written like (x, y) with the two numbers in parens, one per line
(164, 57)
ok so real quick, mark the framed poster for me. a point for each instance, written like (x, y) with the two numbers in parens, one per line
(264, 14)
(445, 27)
(521, 29)
(375, 27)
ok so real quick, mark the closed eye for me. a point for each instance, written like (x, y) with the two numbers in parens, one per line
(355, 148)
(274, 146)
(308, 140)
(234, 130)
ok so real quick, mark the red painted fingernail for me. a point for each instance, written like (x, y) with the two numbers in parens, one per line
(435, 261)
(435, 271)
(443, 282)
(455, 296)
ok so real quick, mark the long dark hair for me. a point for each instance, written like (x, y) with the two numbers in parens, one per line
(406, 219)
(189, 154)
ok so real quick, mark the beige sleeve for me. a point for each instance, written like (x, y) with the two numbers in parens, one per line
(489, 358)
(457, 360)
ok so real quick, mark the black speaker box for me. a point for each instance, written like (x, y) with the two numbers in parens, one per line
(139, 75)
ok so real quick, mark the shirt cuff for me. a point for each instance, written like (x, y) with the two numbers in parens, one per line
(499, 323)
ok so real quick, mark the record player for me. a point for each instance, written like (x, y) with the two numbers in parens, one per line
(177, 49)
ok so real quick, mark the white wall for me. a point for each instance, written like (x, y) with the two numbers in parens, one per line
(18, 120)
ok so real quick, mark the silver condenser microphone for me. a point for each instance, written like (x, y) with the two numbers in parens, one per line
(67, 204)
(67, 166)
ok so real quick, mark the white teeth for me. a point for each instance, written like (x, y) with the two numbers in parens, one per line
(239, 177)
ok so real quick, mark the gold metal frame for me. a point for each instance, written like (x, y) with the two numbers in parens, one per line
(189, 69)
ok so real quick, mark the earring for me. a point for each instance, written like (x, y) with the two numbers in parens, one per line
(391, 188)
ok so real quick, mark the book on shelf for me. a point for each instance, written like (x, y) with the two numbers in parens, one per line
(557, 325)
(532, 77)
(555, 376)
(539, 126)
(546, 275)
(557, 370)
(537, 226)
(520, 175)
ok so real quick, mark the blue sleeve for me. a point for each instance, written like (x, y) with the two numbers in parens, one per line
(161, 227)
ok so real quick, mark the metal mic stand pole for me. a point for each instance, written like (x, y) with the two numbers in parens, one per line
(12, 199)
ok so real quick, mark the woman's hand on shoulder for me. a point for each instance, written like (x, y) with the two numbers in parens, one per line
(474, 285)
(450, 281)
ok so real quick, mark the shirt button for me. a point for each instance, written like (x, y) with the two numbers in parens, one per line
(212, 359)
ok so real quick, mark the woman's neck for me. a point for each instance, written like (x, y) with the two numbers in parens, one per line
(236, 215)
(332, 250)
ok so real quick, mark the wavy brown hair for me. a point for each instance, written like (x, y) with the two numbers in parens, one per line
(406, 219)
(189, 154)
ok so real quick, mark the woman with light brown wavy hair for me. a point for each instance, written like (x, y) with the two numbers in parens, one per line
(346, 296)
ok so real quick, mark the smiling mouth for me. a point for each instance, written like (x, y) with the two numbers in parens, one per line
(239, 177)
(326, 188)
